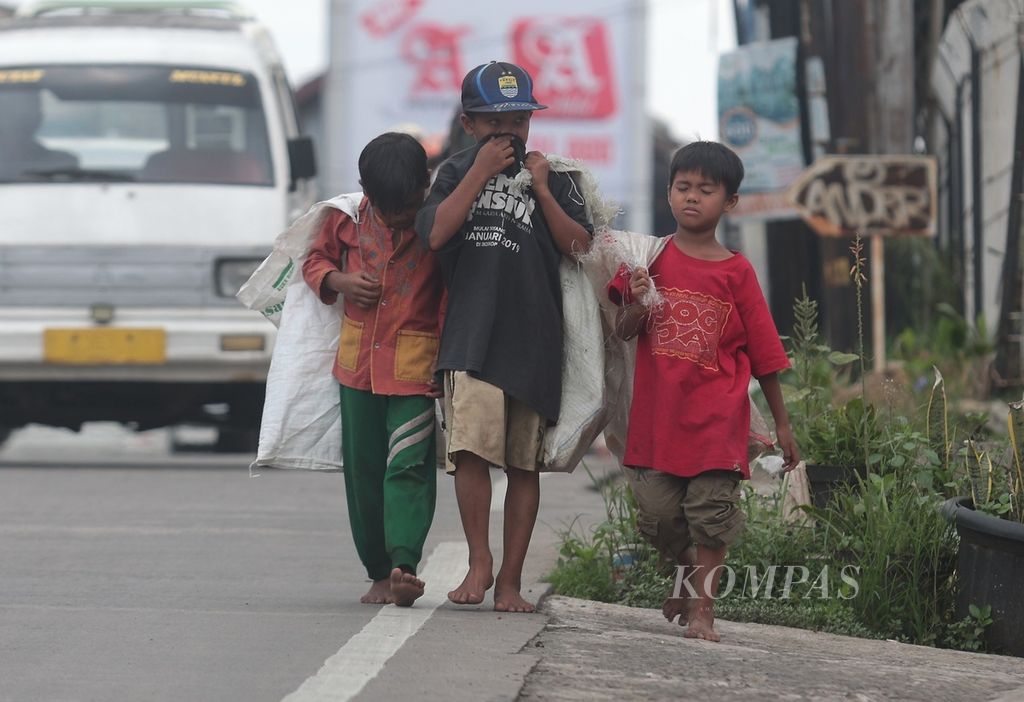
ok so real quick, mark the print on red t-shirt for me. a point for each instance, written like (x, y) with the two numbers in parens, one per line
(689, 326)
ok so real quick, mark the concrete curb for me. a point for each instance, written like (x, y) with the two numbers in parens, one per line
(597, 651)
(1011, 696)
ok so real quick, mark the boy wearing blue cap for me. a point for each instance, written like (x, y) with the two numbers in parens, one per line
(499, 249)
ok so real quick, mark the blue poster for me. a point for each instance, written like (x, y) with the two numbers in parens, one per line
(759, 113)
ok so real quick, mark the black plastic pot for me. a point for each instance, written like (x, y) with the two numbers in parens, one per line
(990, 571)
(823, 480)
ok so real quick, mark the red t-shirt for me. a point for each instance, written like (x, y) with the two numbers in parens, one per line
(694, 360)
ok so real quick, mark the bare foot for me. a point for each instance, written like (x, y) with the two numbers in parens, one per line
(379, 593)
(673, 607)
(702, 623)
(477, 582)
(508, 599)
(406, 588)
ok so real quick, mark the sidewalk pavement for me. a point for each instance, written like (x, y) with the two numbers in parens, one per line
(594, 651)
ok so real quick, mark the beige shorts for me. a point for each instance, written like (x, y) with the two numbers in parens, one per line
(676, 512)
(483, 420)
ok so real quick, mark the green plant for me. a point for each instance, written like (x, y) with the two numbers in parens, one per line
(808, 393)
(905, 552)
(813, 362)
(940, 438)
(830, 616)
(859, 278)
(1015, 479)
(981, 475)
(951, 344)
(848, 435)
(611, 562)
(917, 279)
(968, 634)
(769, 539)
(935, 467)
(582, 570)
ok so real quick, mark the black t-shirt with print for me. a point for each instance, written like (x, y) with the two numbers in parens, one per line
(504, 318)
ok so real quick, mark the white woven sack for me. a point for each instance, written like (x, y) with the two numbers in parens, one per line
(265, 290)
(301, 426)
(584, 408)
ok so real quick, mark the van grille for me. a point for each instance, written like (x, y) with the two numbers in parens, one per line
(136, 276)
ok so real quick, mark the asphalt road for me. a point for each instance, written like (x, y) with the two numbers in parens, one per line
(130, 573)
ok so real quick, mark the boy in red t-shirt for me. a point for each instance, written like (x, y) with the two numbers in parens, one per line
(686, 446)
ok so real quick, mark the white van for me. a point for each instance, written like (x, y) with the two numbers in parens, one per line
(149, 154)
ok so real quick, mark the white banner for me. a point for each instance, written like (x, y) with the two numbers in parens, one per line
(400, 64)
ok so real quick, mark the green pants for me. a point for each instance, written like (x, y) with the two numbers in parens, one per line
(389, 454)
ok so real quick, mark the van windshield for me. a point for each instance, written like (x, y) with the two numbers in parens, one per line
(178, 124)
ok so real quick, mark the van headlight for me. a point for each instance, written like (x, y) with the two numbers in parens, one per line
(233, 272)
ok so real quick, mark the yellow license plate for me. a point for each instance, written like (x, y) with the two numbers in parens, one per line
(105, 346)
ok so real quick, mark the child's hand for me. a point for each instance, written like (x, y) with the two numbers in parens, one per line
(640, 283)
(537, 164)
(361, 288)
(495, 155)
(435, 390)
(790, 451)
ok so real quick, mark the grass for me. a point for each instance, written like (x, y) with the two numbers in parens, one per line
(905, 551)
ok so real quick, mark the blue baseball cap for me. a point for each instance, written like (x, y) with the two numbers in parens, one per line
(498, 87)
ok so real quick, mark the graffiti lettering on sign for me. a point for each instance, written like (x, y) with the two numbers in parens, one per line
(843, 195)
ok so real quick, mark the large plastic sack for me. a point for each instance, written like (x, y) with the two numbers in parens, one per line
(609, 251)
(583, 412)
(301, 425)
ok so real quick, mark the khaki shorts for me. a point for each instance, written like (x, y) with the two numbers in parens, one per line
(483, 420)
(677, 512)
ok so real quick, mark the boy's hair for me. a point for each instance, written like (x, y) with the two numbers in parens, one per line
(392, 168)
(712, 160)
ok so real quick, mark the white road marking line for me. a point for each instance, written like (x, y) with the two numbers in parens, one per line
(347, 672)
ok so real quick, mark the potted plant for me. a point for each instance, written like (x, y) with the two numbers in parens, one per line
(837, 444)
(990, 524)
(831, 438)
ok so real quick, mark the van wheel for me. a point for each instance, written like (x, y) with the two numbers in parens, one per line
(237, 440)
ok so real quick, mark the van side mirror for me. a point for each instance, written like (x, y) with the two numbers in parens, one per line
(301, 159)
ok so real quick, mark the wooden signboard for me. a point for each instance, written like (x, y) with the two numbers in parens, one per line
(872, 195)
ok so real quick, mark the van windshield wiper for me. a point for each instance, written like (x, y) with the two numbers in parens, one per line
(80, 174)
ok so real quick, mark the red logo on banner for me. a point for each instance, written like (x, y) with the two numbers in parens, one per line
(434, 50)
(388, 15)
(570, 61)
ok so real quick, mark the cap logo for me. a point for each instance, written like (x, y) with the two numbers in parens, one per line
(508, 86)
